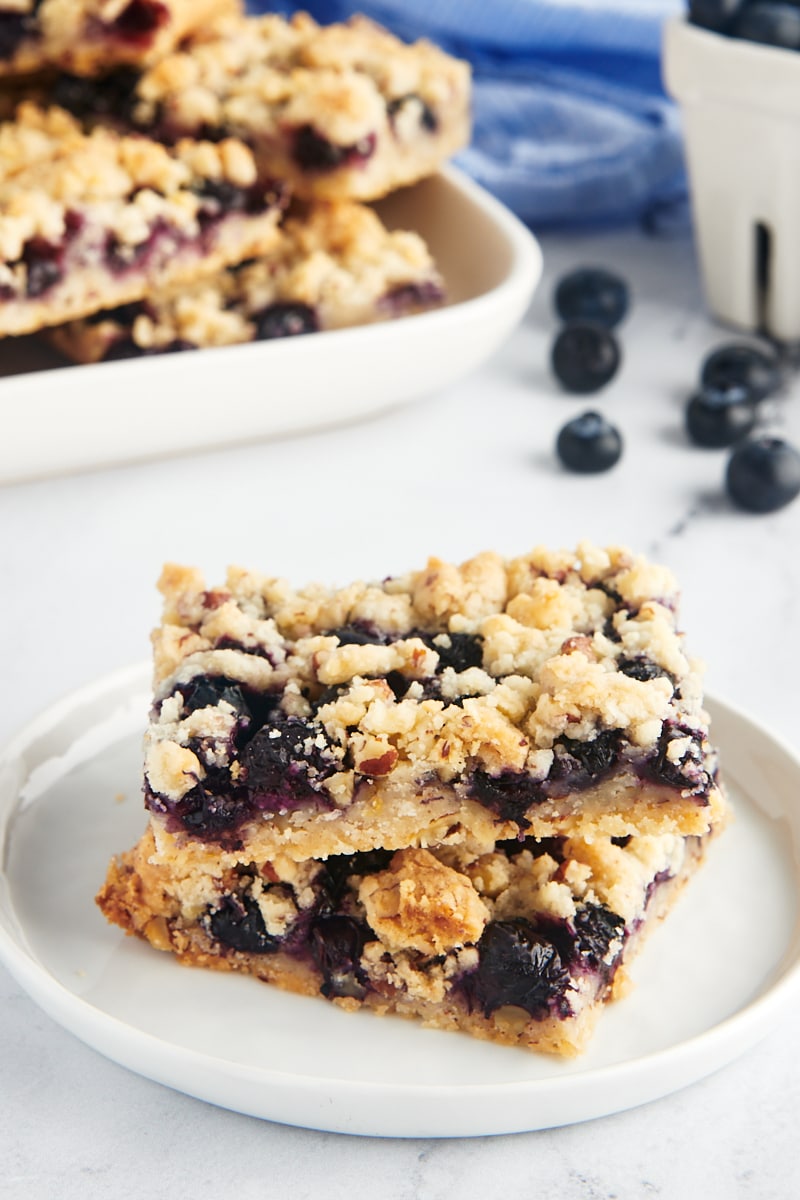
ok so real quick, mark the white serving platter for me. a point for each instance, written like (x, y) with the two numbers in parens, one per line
(56, 418)
(710, 982)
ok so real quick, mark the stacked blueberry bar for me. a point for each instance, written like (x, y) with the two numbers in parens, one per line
(333, 266)
(463, 794)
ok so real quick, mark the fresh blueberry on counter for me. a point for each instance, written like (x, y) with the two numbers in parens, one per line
(763, 474)
(743, 365)
(717, 417)
(589, 444)
(774, 24)
(585, 357)
(592, 294)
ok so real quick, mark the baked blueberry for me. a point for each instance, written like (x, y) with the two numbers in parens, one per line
(589, 443)
(337, 944)
(237, 923)
(740, 364)
(585, 357)
(140, 19)
(285, 320)
(518, 966)
(720, 416)
(596, 927)
(427, 117)
(313, 152)
(285, 762)
(774, 24)
(592, 294)
(763, 474)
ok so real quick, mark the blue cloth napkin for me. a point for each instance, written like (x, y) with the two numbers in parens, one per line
(572, 125)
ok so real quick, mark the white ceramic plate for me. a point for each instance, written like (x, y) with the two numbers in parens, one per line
(70, 798)
(55, 418)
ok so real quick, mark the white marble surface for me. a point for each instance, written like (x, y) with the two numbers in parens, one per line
(453, 474)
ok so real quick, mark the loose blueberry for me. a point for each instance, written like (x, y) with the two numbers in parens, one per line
(589, 443)
(285, 320)
(585, 358)
(774, 24)
(738, 364)
(718, 417)
(714, 14)
(592, 294)
(520, 967)
(763, 474)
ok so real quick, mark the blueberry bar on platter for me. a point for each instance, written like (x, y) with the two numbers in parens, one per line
(518, 942)
(343, 111)
(542, 695)
(334, 266)
(88, 37)
(94, 221)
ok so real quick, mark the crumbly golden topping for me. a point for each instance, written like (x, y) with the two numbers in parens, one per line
(50, 169)
(264, 74)
(421, 904)
(88, 36)
(553, 632)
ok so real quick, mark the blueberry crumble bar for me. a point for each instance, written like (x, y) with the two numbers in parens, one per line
(546, 694)
(90, 36)
(518, 942)
(341, 111)
(93, 221)
(461, 794)
(334, 266)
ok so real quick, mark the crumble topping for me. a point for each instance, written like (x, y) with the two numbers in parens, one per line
(554, 670)
(264, 73)
(421, 904)
(91, 36)
(88, 220)
(48, 167)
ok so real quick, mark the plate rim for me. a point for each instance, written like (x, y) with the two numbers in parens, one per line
(682, 1064)
(420, 350)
